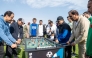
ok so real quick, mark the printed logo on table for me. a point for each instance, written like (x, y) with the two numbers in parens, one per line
(49, 54)
(30, 55)
(59, 53)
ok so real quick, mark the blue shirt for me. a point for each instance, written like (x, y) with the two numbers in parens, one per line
(33, 29)
(5, 33)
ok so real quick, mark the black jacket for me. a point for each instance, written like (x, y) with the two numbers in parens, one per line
(64, 36)
(15, 29)
(64, 26)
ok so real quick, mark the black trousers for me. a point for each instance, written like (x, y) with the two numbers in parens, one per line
(2, 50)
(11, 52)
(68, 52)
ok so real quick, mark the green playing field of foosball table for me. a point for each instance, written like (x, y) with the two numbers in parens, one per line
(38, 43)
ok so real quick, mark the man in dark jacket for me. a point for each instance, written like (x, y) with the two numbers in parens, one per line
(64, 35)
(16, 30)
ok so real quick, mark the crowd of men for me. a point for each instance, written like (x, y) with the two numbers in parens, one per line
(77, 31)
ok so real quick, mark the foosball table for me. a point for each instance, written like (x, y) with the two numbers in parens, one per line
(43, 48)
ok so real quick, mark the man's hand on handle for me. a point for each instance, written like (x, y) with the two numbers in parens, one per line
(18, 41)
(68, 42)
(72, 44)
(14, 46)
(56, 41)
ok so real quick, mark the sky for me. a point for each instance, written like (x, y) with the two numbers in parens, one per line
(42, 9)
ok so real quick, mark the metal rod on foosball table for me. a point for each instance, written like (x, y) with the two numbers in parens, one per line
(64, 44)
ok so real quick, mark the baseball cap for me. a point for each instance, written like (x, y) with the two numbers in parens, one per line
(21, 19)
(60, 18)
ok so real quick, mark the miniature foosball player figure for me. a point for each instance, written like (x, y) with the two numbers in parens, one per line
(29, 43)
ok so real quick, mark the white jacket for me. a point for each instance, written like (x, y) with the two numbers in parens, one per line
(53, 29)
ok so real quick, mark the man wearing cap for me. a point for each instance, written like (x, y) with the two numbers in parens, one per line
(16, 30)
(79, 32)
(64, 35)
